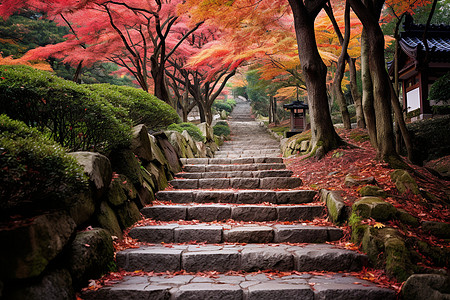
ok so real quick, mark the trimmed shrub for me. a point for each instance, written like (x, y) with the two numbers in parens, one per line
(231, 102)
(35, 172)
(193, 130)
(71, 114)
(219, 106)
(142, 107)
(221, 129)
(440, 90)
(225, 123)
(430, 138)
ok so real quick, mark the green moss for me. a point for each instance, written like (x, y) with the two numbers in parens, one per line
(359, 136)
(397, 259)
(372, 190)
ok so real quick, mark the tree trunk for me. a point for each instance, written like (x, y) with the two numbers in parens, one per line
(76, 76)
(323, 135)
(201, 111)
(402, 125)
(274, 107)
(367, 97)
(271, 109)
(381, 90)
(159, 80)
(336, 89)
(360, 123)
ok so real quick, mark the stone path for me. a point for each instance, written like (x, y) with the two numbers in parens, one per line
(245, 184)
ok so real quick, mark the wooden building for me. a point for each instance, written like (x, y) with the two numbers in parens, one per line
(417, 70)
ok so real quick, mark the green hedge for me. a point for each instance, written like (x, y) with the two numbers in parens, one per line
(71, 114)
(142, 107)
(440, 90)
(219, 106)
(193, 130)
(221, 128)
(35, 172)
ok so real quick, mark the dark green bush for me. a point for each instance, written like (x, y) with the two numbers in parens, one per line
(142, 107)
(231, 102)
(219, 106)
(440, 90)
(35, 172)
(193, 130)
(430, 138)
(71, 114)
(220, 129)
(225, 123)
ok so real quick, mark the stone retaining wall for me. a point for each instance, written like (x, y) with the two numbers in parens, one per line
(54, 254)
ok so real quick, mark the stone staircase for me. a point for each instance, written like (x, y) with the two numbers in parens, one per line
(246, 185)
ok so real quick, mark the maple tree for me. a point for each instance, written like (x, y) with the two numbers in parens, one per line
(138, 36)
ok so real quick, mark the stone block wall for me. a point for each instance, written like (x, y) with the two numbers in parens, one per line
(55, 253)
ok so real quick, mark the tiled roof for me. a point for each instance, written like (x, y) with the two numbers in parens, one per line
(438, 39)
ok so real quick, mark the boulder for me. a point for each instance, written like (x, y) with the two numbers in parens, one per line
(372, 190)
(438, 229)
(159, 174)
(190, 142)
(140, 143)
(53, 285)
(90, 255)
(213, 146)
(157, 152)
(180, 144)
(354, 180)
(98, 169)
(335, 205)
(426, 286)
(125, 162)
(386, 245)
(207, 131)
(169, 153)
(404, 217)
(82, 207)
(30, 245)
(127, 187)
(107, 219)
(304, 145)
(374, 207)
(440, 166)
(149, 177)
(404, 182)
(146, 195)
(201, 147)
(223, 115)
(128, 214)
(116, 195)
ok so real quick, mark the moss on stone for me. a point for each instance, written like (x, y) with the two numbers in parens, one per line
(406, 218)
(398, 263)
(372, 190)
(374, 207)
(404, 182)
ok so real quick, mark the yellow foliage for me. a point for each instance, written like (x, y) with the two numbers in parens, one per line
(39, 65)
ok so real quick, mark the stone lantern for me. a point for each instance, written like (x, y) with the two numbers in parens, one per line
(298, 117)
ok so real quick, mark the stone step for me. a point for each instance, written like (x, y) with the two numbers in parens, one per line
(246, 257)
(252, 286)
(217, 233)
(237, 183)
(249, 152)
(239, 196)
(236, 174)
(228, 161)
(237, 167)
(234, 156)
(222, 212)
